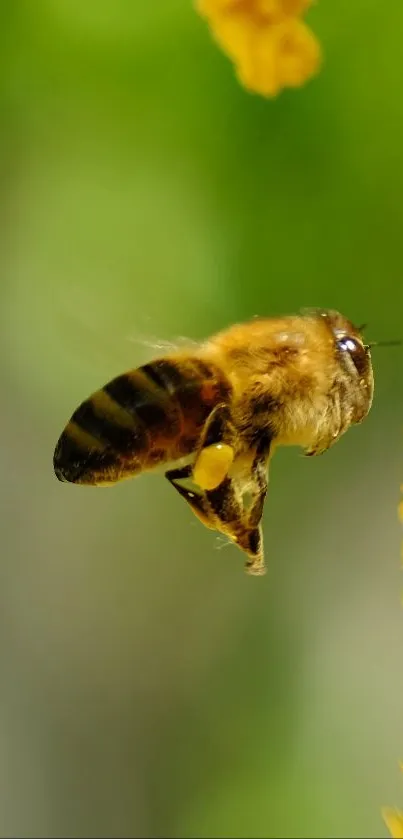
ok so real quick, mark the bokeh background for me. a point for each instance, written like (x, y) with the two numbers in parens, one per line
(148, 687)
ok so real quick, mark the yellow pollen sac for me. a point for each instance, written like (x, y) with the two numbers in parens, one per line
(212, 465)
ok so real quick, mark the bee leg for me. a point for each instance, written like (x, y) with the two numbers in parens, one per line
(251, 541)
(233, 521)
(215, 452)
(195, 501)
(218, 427)
(253, 534)
(222, 509)
(259, 475)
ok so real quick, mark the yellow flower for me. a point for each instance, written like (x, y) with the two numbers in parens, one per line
(393, 819)
(394, 822)
(267, 41)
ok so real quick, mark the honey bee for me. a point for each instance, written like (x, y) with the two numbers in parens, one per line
(212, 416)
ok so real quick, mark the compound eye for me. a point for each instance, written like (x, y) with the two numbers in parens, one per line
(356, 352)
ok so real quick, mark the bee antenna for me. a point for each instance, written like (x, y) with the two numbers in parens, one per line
(396, 343)
(362, 327)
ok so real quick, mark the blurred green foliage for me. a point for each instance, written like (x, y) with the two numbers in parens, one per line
(148, 686)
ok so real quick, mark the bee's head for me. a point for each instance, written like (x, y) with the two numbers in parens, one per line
(348, 340)
(354, 357)
(352, 352)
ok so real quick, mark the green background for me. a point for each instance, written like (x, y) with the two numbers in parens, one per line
(148, 686)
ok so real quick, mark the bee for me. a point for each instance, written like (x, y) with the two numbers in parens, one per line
(212, 415)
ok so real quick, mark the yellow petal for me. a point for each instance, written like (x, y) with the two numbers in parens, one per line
(299, 53)
(268, 43)
(394, 822)
(270, 10)
(295, 7)
(235, 35)
(400, 511)
(258, 71)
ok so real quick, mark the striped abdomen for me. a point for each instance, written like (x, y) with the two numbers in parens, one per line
(139, 420)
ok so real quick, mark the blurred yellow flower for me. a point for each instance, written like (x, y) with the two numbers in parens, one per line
(269, 44)
(394, 822)
(393, 819)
